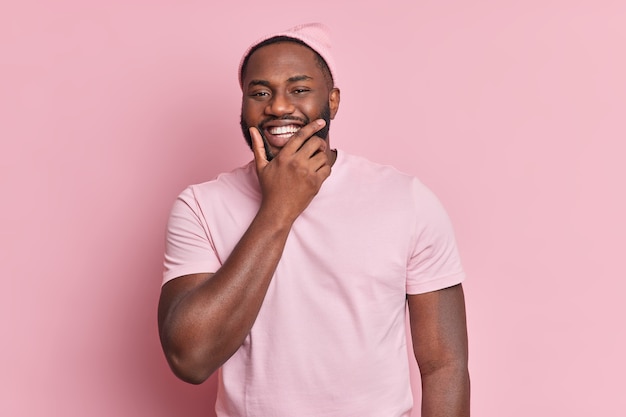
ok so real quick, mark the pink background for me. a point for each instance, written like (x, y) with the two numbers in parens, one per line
(512, 112)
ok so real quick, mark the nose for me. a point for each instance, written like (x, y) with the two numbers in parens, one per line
(279, 105)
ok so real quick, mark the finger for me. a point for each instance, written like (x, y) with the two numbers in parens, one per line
(313, 146)
(301, 136)
(319, 160)
(324, 171)
(258, 148)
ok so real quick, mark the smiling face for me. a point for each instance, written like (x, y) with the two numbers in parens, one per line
(285, 88)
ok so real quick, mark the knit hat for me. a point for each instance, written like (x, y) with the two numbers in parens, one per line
(315, 35)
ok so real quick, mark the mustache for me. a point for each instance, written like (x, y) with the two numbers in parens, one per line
(305, 121)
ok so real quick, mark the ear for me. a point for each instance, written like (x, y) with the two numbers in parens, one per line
(333, 101)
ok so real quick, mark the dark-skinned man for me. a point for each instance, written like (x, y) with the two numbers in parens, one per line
(291, 275)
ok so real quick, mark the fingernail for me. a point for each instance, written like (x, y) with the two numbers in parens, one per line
(320, 122)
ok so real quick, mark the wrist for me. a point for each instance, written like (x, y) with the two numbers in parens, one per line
(274, 219)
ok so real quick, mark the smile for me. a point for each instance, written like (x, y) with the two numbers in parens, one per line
(283, 131)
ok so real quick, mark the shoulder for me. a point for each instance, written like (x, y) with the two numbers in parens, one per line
(225, 185)
(390, 187)
(356, 167)
(381, 177)
(360, 163)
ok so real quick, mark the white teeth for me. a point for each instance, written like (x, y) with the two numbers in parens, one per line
(281, 130)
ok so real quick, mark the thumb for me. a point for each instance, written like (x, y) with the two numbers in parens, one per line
(258, 148)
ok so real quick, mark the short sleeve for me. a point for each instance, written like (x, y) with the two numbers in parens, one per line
(188, 247)
(434, 262)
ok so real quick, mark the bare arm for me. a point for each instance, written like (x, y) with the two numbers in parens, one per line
(204, 318)
(439, 333)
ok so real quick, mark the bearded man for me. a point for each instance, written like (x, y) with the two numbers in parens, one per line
(291, 275)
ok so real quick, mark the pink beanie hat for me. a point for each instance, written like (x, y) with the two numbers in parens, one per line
(315, 35)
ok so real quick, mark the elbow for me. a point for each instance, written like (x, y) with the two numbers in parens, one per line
(458, 367)
(194, 378)
(189, 371)
(189, 361)
(190, 368)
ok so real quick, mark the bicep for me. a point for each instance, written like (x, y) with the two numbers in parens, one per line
(438, 328)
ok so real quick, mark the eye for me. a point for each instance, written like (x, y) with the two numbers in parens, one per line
(301, 90)
(259, 94)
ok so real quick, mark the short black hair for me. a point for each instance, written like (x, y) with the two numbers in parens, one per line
(277, 39)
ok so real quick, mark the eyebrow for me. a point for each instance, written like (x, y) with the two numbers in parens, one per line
(297, 78)
(252, 83)
(293, 79)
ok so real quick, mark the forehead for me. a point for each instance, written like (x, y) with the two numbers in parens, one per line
(282, 60)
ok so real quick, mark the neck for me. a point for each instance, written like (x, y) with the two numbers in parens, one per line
(332, 156)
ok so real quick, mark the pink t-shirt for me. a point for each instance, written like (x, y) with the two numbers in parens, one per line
(330, 338)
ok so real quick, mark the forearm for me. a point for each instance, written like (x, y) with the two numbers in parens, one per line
(446, 392)
(208, 323)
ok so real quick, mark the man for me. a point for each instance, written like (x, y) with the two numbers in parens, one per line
(293, 281)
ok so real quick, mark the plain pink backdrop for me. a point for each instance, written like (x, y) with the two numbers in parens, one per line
(512, 112)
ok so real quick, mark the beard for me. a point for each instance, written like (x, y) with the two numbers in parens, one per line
(322, 133)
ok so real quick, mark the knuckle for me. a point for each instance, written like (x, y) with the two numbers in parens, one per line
(294, 165)
(303, 172)
(311, 181)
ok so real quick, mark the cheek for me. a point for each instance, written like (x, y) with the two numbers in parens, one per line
(314, 108)
(251, 111)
